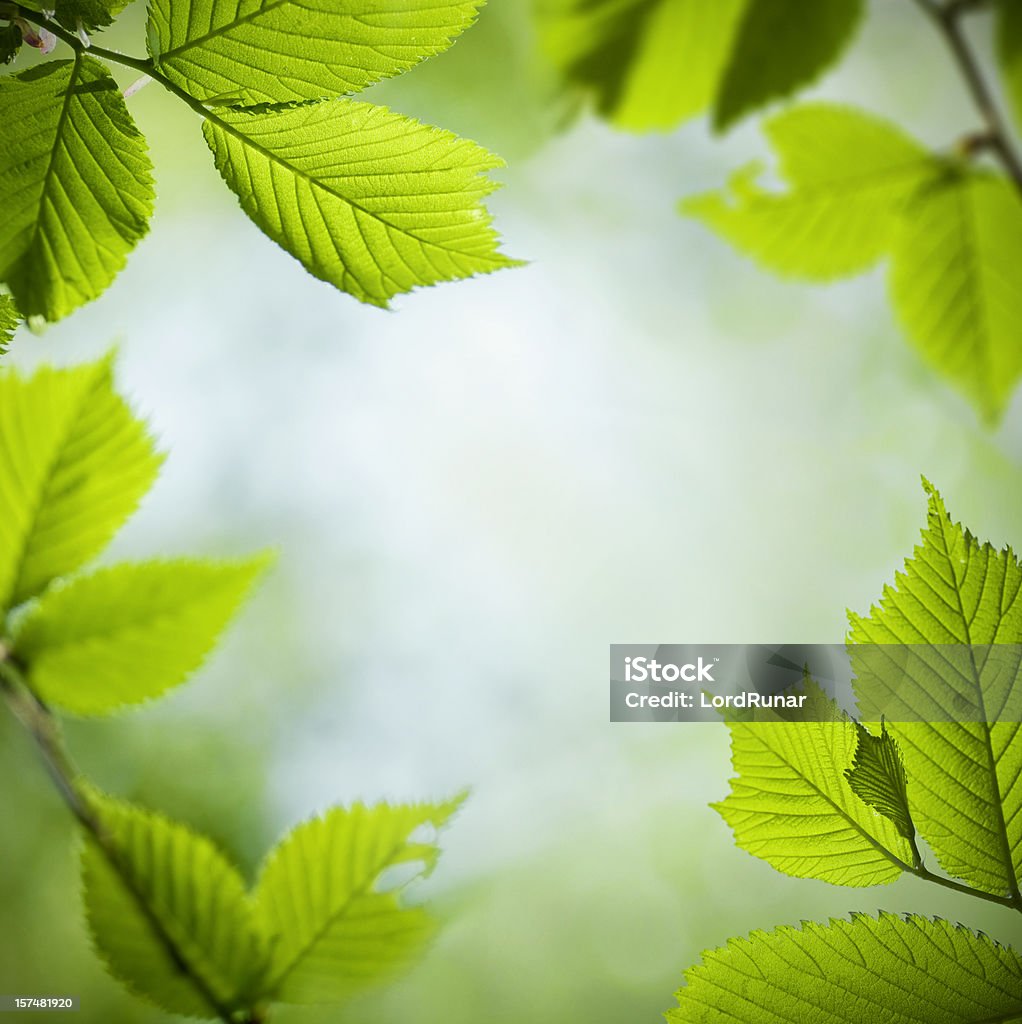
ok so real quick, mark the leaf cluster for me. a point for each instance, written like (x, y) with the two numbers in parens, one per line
(368, 200)
(860, 190)
(173, 919)
(834, 800)
(169, 915)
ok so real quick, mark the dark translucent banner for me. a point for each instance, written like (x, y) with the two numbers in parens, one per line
(814, 682)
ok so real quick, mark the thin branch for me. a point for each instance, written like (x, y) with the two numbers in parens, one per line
(997, 135)
(146, 67)
(40, 724)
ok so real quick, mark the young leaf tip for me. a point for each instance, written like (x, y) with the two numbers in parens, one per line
(877, 777)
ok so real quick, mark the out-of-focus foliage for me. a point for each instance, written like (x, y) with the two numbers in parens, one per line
(128, 633)
(652, 64)
(781, 46)
(1009, 50)
(861, 190)
(849, 174)
(74, 464)
(334, 929)
(649, 64)
(173, 919)
(168, 913)
(953, 287)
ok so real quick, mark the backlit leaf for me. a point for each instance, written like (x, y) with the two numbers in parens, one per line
(169, 914)
(74, 462)
(849, 175)
(955, 285)
(897, 970)
(270, 51)
(792, 806)
(965, 775)
(371, 201)
(75, 185)
(128, 633)
(877, 777)
(334, 930)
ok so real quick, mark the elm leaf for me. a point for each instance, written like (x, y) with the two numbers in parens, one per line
(901, 970)
(75, 185)
(370, 201)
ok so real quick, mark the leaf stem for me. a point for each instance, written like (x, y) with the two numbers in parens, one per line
(996, 136)
(144, 65)
(39, 723)
(967, 890)
(37, 720)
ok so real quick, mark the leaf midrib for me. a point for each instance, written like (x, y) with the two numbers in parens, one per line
(197, 970)
(216, 33)
(998, 802)
(875, 843)
(146, 620)
(317, 184)
(275, 983)
(58, 132)
(13, 598)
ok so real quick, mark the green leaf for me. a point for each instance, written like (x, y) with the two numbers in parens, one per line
(791, 804)
(169, 914)
(74, 462)
(78, 15)
(849, 173)
(280, 50)
(955, 286)
(966, 796)
(650, 64)
(371, 201)
(897, 970)
(10, 42)
(75, 185)
(9, 320)
(333, 929)
(1009, 51)
(782, 46)
(129, 633)
(877, 777)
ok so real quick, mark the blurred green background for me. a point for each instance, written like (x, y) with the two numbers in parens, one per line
(637, 438)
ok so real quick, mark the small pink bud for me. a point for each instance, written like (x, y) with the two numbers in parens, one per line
(42, 40)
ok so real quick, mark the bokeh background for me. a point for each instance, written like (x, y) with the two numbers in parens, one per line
(639, 437)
